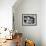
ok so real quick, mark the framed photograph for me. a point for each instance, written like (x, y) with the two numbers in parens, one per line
(29, 19)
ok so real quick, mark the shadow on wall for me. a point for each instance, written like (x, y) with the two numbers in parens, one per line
(28, 7)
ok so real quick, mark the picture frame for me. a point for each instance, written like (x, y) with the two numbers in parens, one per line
(29, 19)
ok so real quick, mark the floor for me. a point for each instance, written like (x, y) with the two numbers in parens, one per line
(12, 42)
(9, 43)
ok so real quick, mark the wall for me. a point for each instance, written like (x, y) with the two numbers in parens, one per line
(28, 7)
(6, 13)
(43, 22)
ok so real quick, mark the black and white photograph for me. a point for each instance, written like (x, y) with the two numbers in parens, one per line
(29, 19)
